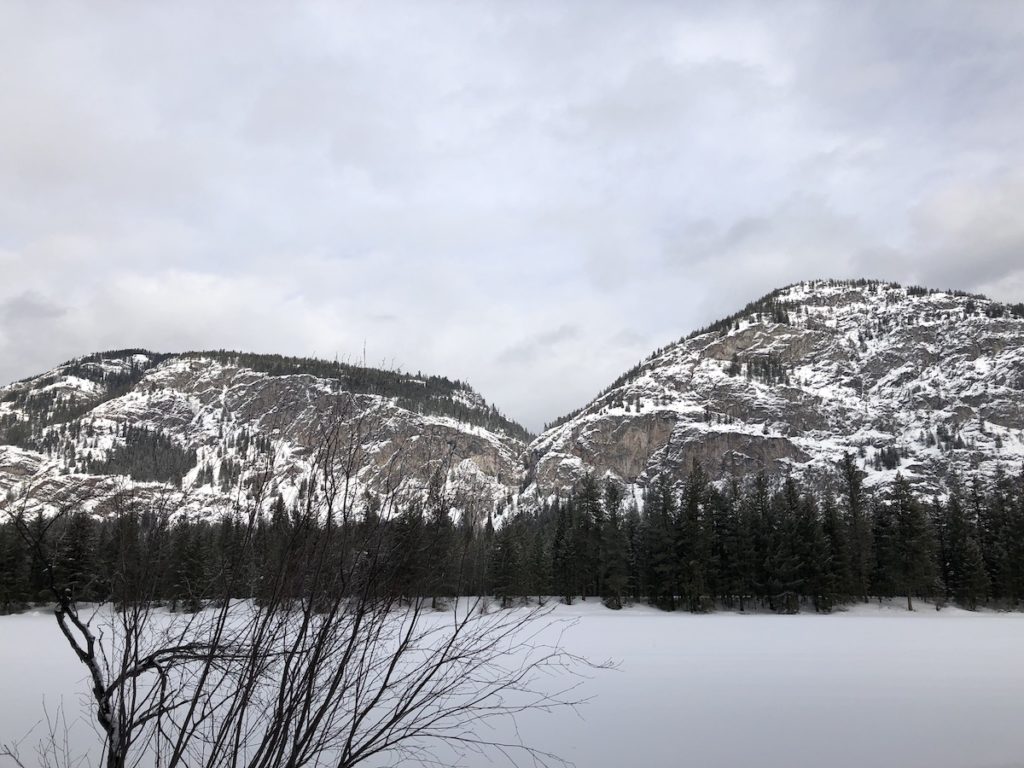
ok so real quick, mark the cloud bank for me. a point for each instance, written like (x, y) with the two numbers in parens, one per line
(526, 196)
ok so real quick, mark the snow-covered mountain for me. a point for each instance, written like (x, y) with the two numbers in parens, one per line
(910, 380)
(200, 428)
(907, 379)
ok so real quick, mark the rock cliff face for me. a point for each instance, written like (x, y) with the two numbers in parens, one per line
(909, 380)
(198, 430)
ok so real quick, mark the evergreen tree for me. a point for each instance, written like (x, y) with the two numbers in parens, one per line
(913, 568)
(747, 566)
(189, 586)
(75, 557)
(38, 576)
(440, 537)
(836, 564)
(727, 542)
(975, 585)
(15, 589)
(859, 534)
(409, 550)
(507, 565)
(814, 555)
(993, 515)
(538, 564)
(693, 544)
(782, 563)
(636, 557)
(563, 554)
(762, 530)
(660, 525)
(615, 565)
(589, 518)
(955, 533)
(886, 555)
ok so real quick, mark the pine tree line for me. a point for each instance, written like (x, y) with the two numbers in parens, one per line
(782, 546)
(764, 544)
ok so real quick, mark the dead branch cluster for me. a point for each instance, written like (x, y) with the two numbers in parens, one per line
(326, 661)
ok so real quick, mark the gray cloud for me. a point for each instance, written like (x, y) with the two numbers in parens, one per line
(457, 186)
(538, 347)
(27, 308)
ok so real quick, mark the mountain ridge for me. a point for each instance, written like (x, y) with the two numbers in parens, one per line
(208, 418)
(908, 379)
(750, 387)
(765, 300)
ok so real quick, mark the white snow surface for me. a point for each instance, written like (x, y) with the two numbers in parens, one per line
(872, 687)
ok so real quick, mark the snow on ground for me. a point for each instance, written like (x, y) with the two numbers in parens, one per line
(870, 687)
(866, 688)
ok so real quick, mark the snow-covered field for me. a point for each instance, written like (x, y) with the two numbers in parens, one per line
(866, 688)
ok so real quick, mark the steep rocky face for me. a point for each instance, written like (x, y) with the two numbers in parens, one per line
(199, 429)
(908, 380)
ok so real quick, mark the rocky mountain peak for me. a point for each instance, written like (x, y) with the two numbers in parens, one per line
(908, 379)
(210, 425)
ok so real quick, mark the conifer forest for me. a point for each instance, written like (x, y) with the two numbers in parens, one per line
(765, 544)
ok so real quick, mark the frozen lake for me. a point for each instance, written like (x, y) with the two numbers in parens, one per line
(868, 687)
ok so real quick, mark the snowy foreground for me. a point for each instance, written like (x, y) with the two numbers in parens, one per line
(867, 687)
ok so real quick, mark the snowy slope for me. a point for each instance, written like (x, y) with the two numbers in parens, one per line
(234, 426)
(909, 380)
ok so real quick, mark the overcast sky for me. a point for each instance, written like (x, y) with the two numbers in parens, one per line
(529, 196)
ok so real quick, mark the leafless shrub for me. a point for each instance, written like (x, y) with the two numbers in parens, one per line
(326, 660)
